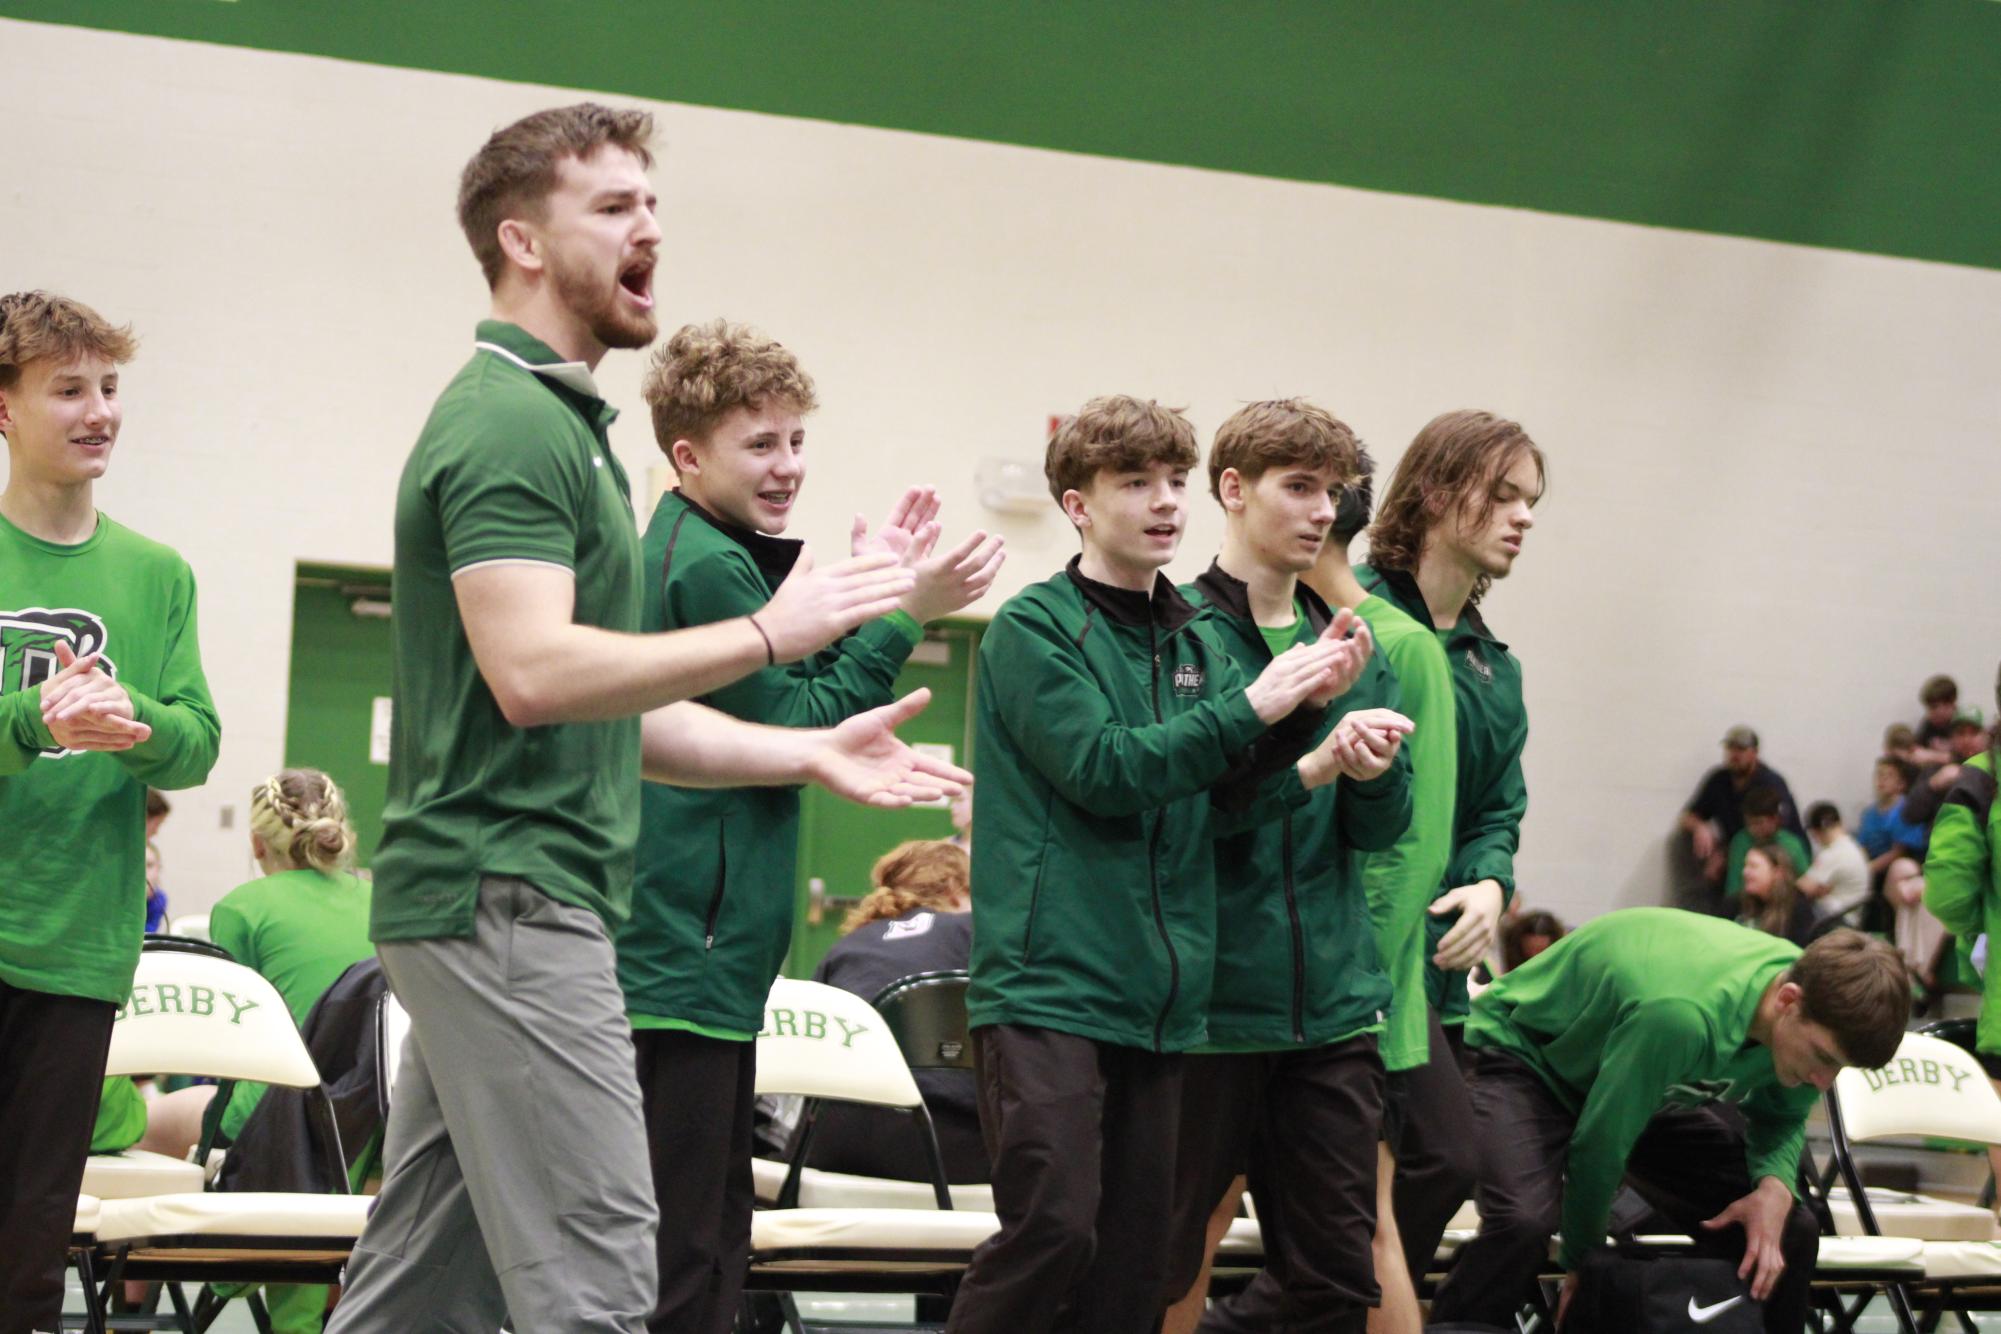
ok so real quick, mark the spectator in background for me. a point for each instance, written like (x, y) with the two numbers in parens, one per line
(1940, 698)
(301, 924)
(1884, 832)
(158, 808)
(1761, 810)
(917, 919)
(1917, 933)
(962, 820)
(1967, 738)
(156, 897)
(1714, 816)
(1772, 902)
(1838, 878)
(1901, 743)
(1527, 934)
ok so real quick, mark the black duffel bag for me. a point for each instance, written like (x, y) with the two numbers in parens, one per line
(1663, 1294)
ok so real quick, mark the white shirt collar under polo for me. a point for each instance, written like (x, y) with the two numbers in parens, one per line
(570, 374)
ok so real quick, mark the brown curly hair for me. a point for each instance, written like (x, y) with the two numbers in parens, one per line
(923, 873)
(41, 325)
(1451, 467)
(1116, 433)
(705, 370)
(1283, 433)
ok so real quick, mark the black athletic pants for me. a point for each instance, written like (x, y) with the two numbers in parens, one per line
(1082, 1138)
(1429, 1125)
(52, 1051)
(1302, 1124)
(698, 1093)
(1688, 1163)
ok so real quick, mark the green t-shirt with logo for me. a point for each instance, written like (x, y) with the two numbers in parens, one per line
(514, 466)
(1403, 880)
(73, 855)
(300, 930)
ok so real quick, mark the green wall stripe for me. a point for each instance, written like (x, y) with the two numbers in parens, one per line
(1867, 125)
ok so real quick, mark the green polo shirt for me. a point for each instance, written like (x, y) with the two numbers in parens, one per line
(513, 466)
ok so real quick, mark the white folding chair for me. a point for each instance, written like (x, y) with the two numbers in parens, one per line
(192, 1012)
(825, 1043)
(190, 926)
(1932, 1090)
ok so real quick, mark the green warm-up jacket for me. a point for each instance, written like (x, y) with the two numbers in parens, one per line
(1104, 718)
(1296, 960)
(1493, 727)
(1963, 878)
(713, 886)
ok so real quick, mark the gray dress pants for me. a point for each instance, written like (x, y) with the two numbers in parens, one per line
(515, 1170)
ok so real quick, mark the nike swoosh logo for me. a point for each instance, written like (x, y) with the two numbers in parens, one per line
(1702, 1315)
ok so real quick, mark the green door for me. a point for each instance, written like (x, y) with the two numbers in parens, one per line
(341, 659)
(839, 841)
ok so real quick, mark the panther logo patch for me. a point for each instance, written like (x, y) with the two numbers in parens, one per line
(1188, 680)
(1479, 666)
(28, 640)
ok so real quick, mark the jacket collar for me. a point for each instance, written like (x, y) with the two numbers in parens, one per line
(1164, 609)
(1232, 596)
(773, 556)
(1400, 587)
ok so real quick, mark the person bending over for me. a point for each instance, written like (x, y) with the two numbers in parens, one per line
(1605, 1056)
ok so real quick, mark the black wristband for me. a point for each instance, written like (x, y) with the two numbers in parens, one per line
(770, 653)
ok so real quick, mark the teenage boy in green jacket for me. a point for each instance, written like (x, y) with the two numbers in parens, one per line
(1289, 1086)
(713, 884)
(1597, 1060)
(1429, 1154)
(1963, 886)
(1108, 721)
(101, 696)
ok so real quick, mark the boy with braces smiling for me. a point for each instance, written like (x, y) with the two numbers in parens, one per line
(713, 888)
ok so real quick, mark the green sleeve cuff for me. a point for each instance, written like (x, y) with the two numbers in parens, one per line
(907, 623)
(29, 731)
(1241, 724)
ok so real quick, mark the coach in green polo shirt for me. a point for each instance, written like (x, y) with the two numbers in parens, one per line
(527, 707)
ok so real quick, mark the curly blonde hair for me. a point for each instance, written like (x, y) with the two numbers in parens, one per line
(302, 817)
(708, 369)
(923, 873)
(35, 326)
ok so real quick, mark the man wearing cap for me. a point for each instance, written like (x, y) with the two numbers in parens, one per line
(1715, 814)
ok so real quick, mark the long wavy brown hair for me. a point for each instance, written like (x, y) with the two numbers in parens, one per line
(1777, 914)
(923, 873)
(1450, 469)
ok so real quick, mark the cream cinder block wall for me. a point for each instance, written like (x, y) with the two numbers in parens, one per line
(1771, 467)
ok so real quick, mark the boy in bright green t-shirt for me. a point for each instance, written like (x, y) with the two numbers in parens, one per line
(1598, 1060)
(101, 696)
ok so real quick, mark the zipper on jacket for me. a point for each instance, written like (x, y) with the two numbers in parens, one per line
(716, 900)
(1153, 874)
(1298, 943)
